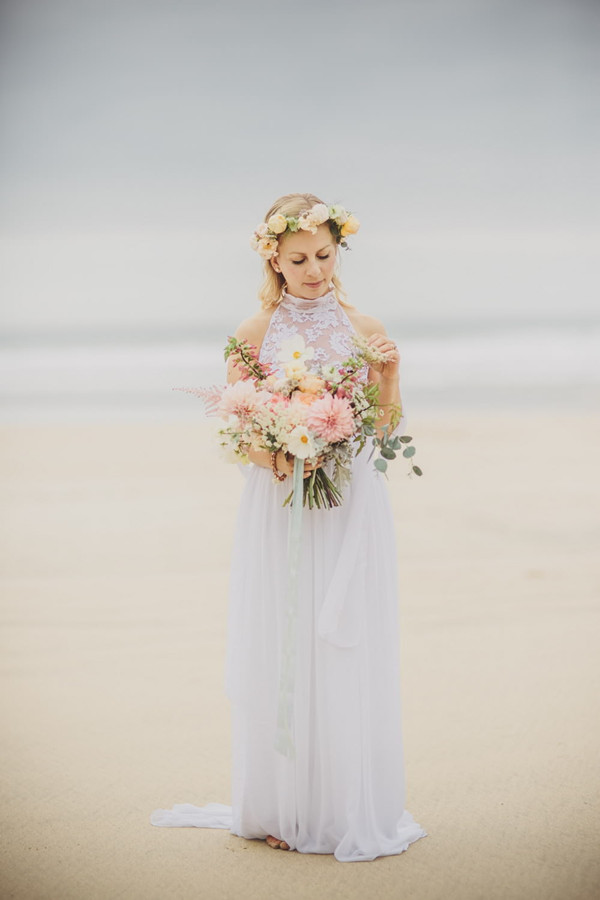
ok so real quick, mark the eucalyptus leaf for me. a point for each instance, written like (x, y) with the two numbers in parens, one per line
(405, 438)
(417, 470)
(410, 451)
(380, 465)
(388, 453)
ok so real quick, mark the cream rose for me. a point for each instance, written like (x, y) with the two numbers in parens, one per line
(295, 369)
(277, 223)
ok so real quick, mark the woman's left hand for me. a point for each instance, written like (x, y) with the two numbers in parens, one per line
(391, 368)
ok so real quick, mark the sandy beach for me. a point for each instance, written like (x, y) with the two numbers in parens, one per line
(116, 543)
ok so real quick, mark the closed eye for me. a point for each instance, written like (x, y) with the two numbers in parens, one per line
(298, 262)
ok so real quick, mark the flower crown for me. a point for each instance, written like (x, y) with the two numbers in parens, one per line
(265, 237)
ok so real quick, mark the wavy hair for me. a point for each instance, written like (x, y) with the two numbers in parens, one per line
(274, 283)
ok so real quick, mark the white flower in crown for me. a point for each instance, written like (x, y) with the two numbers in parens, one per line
(300, 442)
(338, 214)
(266, 235)
(310, 220)
(305, 224)
(294, 351)
(319, 213)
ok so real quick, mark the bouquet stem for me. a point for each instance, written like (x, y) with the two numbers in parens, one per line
(318, 491)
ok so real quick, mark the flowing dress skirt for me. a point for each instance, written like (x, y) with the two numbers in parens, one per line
(342, 791)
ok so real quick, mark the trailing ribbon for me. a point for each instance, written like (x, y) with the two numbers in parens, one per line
(284, 741)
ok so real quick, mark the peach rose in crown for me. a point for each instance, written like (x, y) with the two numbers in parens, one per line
(267, 247)
(350, 226)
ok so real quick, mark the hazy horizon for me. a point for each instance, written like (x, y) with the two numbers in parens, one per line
(143, 141)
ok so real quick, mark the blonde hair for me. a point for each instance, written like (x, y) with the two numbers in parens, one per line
(273, 285)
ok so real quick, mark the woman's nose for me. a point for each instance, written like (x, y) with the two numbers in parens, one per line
(314, 267)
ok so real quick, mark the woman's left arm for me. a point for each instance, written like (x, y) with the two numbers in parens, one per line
(386, 374)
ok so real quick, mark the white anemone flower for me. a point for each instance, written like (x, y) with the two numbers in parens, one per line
(300, 442)
(294, 350)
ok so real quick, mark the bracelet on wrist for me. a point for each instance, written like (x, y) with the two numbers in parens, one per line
(278, 476)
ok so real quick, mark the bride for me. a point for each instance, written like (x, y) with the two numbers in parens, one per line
(342, 789)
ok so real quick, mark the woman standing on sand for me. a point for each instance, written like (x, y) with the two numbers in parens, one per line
(342, 789)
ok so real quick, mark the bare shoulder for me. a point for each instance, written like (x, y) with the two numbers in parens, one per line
(365, 325)
(254, 328)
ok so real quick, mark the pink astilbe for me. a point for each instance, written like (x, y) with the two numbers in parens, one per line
(331, 418)
(211, 397)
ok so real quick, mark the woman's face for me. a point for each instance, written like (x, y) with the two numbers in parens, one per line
(306, 261)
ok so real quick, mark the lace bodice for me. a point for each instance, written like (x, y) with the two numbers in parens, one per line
(322, 323)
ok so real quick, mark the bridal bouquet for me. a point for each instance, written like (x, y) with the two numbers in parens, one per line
(325, 414)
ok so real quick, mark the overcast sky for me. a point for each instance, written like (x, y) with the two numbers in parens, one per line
(444, 124)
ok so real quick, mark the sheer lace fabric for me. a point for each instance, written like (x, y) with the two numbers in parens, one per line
(343, 792)
(322, 323)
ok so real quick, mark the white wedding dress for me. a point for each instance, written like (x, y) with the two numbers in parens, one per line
(342, 790)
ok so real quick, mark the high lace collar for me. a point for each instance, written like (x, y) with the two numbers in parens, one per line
(325, 301)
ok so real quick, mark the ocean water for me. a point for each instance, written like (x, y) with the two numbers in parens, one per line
(463, 364)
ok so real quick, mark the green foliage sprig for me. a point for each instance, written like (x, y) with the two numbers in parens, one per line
(245, 358)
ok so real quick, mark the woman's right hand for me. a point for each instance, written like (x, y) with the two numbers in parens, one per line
(285, 463)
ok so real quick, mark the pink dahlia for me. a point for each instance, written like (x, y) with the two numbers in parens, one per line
(241, 399)
(331, 418)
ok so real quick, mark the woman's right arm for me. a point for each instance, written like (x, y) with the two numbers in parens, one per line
(253, 330)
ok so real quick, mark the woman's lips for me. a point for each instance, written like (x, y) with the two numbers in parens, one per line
(314, 283)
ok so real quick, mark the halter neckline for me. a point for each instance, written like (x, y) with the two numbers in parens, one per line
(290, 301)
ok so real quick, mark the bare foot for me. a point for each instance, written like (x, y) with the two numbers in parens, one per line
(277, 844)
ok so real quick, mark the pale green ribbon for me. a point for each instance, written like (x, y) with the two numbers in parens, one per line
(284, 741)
